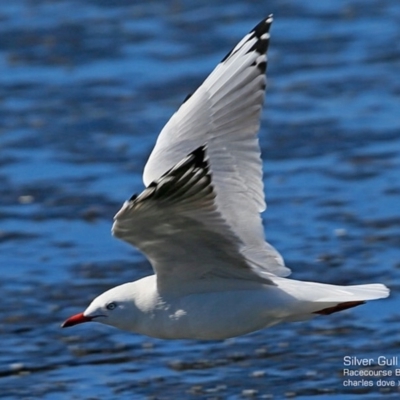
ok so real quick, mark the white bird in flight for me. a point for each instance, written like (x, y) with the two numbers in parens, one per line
(198, 222)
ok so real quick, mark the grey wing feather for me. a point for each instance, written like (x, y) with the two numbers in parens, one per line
(175, 222)
(224, 112)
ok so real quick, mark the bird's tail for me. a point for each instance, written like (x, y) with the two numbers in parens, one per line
(344, 297)
(323, 299)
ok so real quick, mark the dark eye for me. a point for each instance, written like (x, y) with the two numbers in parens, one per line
(111, 306)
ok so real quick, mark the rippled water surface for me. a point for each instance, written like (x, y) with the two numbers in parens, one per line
(85, 87)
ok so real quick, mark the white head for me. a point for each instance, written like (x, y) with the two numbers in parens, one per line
(116, 307)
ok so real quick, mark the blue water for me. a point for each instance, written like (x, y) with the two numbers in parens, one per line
(85, 87)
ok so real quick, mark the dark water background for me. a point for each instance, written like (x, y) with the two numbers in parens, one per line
(85, 87)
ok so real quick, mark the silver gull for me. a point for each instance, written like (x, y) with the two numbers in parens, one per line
(198, 222)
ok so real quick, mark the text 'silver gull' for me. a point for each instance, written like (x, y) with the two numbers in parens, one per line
(198, 222)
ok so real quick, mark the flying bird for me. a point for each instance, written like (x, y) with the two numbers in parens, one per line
(198, 222)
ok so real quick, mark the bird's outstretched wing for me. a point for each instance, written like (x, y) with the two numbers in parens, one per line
(176, 224)
(224, 112)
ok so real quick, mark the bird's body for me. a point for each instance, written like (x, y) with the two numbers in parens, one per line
(223, 308)
(198, 222)
(204, 314)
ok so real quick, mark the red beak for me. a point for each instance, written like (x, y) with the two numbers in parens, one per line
(75, 319)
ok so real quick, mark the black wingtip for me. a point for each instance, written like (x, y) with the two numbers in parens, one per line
(192, 171)
(263, 27)
(199, 157)
(196, 159)
(261, 32)
(261, 45)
